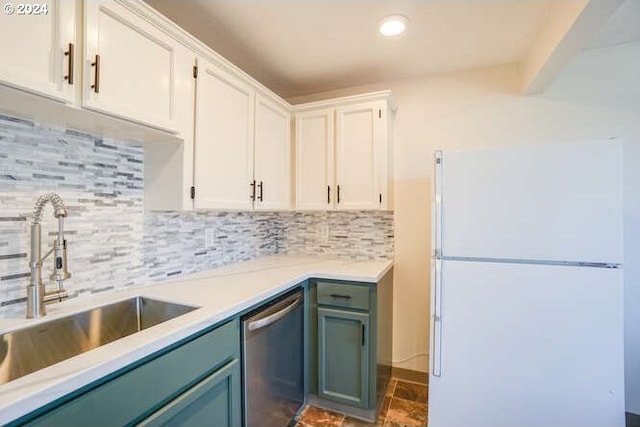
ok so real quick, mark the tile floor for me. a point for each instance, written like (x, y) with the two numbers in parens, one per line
(405, 405)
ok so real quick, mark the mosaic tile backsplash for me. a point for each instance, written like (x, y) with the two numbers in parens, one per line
(356, 234)
(113, 242)
(175, 242)
(102, 186)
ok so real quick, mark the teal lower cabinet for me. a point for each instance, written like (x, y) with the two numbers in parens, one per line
(212, 402)
(343, 357)
(195, 383)
(349, 345)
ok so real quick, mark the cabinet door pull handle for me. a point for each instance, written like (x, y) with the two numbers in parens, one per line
(253, 190)
(261, 187)
(328, 194)
(96, 84)
(363, 333)
(340, 296)
(338, 194)
(70, 63)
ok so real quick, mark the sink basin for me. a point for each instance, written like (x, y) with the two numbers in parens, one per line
(27, 350)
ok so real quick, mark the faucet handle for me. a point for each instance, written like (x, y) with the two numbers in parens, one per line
(55, 296)
(60, 272)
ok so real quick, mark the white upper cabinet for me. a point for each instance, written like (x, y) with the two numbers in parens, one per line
(360, 132)
(130, 66)
(39, 48)
(343, 153)
(223, 162)
(314, 159)
(242, 145)
(272, 160)
(220, 133)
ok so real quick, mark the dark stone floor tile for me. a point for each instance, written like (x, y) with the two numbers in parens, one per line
(404, 405)
(353, 422)
(391, 386)
(407, 412)
(317, 417)
(385, 406)
(411, 391)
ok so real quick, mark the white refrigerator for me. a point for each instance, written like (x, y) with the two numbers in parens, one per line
(526, 290)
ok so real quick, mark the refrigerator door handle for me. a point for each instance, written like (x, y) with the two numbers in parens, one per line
(437, 205)
(436, 369)
(436, 241)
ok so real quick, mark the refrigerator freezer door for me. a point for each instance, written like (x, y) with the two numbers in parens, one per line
(554, 202)
(528, 346)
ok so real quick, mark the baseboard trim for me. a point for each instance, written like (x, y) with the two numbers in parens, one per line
(633, 420)
(410, 375)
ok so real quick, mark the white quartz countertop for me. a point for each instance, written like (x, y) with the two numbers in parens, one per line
(220, 293)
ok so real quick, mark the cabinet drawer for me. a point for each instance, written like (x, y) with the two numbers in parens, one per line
(141, 390)
(343, 295)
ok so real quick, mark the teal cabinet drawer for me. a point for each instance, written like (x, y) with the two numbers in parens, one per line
(343, 295)
(215, 401)
(141, 391)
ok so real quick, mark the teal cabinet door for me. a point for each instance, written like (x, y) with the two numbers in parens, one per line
(204, 368)
(215, 402)
(343, 356)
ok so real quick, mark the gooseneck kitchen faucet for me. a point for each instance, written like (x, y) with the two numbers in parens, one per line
(36, 294)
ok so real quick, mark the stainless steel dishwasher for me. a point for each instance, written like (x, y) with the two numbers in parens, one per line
(273, 372)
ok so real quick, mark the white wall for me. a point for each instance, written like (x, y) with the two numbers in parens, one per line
(483, 108)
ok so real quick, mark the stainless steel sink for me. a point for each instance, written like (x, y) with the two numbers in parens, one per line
(27, 350)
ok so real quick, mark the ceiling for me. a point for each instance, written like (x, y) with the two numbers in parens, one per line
(622, 27)
(301, 47)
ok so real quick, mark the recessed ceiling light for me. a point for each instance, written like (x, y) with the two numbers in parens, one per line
(393, 25)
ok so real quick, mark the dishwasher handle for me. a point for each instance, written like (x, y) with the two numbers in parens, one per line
(273, 318)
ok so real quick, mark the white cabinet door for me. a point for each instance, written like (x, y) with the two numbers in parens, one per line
(359, 134)
(223, 140)
(272, 163)
(130, 66)
(35, 49)
(314, 159)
